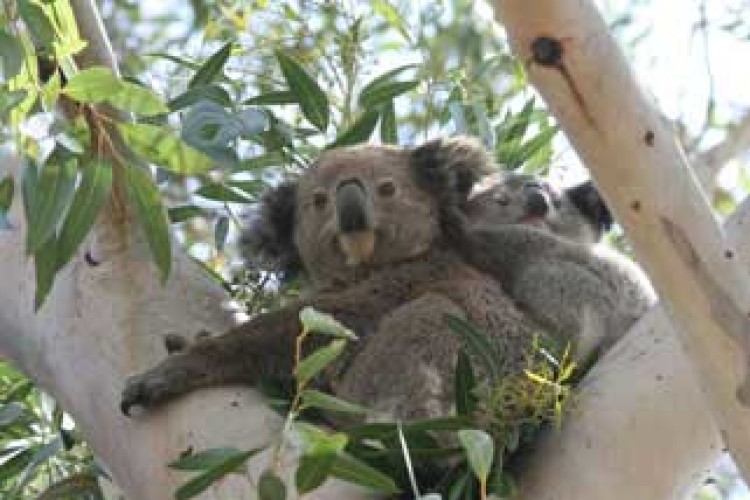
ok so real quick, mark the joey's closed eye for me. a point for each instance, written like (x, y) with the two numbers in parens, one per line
(501, 198)
(386, 188)
(320, 199)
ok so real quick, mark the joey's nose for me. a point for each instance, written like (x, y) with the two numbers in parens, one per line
(537, 204)
(353, 207)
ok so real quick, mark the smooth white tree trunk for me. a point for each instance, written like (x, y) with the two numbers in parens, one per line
(576, 65)
(105, 321)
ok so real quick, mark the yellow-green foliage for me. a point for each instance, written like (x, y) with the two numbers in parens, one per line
(521, 402)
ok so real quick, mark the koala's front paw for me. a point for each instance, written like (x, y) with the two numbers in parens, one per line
(150, 389)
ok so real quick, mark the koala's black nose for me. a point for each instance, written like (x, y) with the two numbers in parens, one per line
(537, 204)
(353, 207)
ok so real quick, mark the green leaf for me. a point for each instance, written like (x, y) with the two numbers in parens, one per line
(464, 385)
(312, 471)
(160, 146)
(388, 127)
(318, 360)
(45, 268)
(183, 213)
(213, 92)
(11, 412)
(274, 97)
(40, 27)
(477, 343)
(355, 471)
(392, 17)
(221, 192)
(205, 459)
(50, 200)
(387, 91)
(273, 159)
(7, 187)
(316, 441)
(11, 56)
(311, 98)
(212, 67)
(51, 90)
(359, 131)
(138, 99)
(270, 487)
(387, 77)
(11, 99)
(145, 195)
(316, 399)
(203, 481)
(93, 85)
(220, 232)
(325, 324)
(91, 194)
(480, 451)
(41, 455)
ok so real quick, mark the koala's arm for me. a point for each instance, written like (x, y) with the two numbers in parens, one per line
(262, 347)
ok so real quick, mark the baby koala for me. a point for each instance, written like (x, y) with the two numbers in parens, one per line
(541, 244)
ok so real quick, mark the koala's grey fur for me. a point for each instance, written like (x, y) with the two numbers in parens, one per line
(541, 244)
(366, 225)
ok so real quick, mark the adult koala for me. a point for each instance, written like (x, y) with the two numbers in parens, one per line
(366, 225)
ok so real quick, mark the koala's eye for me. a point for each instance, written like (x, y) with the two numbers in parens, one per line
(535, 186)
(320, 199)
(502, 198)
(387, 188)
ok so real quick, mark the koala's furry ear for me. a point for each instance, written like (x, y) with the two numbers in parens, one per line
(590, 203)
(449, 167)
(268, 241)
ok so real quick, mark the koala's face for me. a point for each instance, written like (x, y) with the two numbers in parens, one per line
(577, 213)
(361, 208)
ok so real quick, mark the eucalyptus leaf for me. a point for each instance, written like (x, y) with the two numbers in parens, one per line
(183, 213)
(388, 127)
(7, 187)
(270, 487)
(387, 91)
(53, 195)
(213, 93)
(273, 97)
(93, 85)
(38, 24)
(138, 99)
(45, 268)
(212, 68)
(465, 382)
(312, 100)
(92, 192)
(205, 459)
(220, 232)
(11, 55)
(480, 451)
(319, 322)
(353, 470)
(312, 471)
(204, 480)
(160, 146)
(318, 360)
(147, 200)
(221, 192)
(359, 131)
(312, 398)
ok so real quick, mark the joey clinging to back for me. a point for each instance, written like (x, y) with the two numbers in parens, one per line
(542, 245)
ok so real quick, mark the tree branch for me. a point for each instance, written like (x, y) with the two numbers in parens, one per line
(576, 65)
(736, 142)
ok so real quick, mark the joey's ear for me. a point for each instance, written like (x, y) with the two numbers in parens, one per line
(268, 241)
(449, 167)
(590, 203)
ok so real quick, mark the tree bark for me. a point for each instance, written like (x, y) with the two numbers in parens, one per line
(576, 65)
(107, 313)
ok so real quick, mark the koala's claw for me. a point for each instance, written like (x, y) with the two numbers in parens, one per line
(143, 390)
